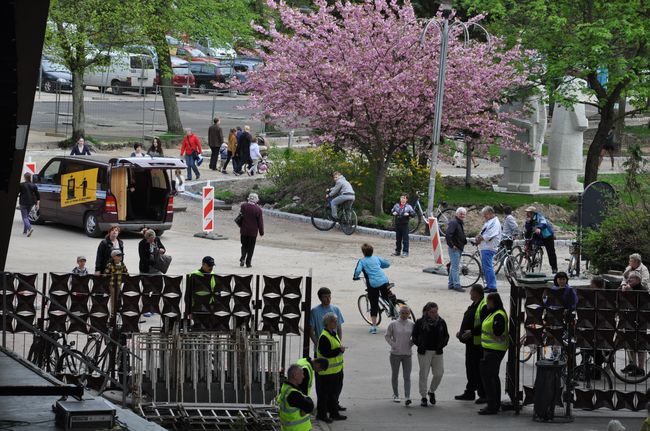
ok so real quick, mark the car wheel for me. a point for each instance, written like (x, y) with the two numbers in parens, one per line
(48, 87)
(159, 232)
(203, 89)
(91, 225)
(115, 87)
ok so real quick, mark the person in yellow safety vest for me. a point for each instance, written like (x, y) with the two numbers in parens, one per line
(329, 382)
(494, 340)
(470, 335)
(207, 265)
(294, 406)
(310, 368)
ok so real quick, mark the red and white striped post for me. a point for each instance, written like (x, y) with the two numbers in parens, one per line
(436, 245)
(208, 208)
(29, 167)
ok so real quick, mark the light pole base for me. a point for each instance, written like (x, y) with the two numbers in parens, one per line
(437, 270)
(212, 236)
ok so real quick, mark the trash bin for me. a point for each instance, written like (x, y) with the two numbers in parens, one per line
(548, 389)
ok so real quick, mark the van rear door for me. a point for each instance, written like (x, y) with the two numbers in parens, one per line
(142, 71)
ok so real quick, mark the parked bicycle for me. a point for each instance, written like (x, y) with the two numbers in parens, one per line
(442, 212)
(389, 306)
(471, 270)
(531, 258)
(43, 353)
(321, 217)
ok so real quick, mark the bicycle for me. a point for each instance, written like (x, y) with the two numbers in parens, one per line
(442, 213)
(530, 260)
(321, 217)
(389, 306)
(43, 353)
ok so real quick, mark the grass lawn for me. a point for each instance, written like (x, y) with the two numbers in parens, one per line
(473, 196)
(616, 180)
(495, 150)
(638, 130)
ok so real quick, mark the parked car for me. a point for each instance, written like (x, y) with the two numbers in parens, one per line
(225, 52)
(207, 74)
(94, 193)
(125, 72)
(54, 76)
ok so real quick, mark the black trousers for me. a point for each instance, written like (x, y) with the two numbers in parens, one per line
(490, 365)
(214, 157)
(225, 165)
(247, 248)
(373, 297)
(328, 389)
(401, 238)
(549, 245)
(473, 356)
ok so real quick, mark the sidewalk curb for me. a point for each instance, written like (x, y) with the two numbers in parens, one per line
(365, 230)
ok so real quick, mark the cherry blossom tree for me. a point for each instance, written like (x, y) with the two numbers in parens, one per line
(358, 75)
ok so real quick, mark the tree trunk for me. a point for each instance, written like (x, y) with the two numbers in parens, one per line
(78, 116)
(167, 90)
(379, 168)
(593, 154)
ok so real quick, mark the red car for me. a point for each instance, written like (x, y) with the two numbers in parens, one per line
(182, 78)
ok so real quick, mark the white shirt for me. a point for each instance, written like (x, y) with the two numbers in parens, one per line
(491, 234)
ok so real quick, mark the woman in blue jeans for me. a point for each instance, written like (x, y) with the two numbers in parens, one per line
(456, 241)
(488, 243)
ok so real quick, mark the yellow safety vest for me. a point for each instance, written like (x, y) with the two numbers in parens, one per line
(335, 364)
(488, 339)
(291, 418)
(304, 363)
(213, 283)
(477, 320)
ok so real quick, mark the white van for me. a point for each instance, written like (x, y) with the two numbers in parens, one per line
(126, 72)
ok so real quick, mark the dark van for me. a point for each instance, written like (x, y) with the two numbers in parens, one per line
(95, 193)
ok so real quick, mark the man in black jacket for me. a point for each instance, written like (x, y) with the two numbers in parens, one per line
(470, 335)
(29, 197)
(243, 149)
(456, 241)
(215, 139)
(430, 335)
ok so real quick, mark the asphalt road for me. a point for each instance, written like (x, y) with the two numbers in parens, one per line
(125, 117)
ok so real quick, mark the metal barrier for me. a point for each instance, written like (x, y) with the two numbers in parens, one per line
(607, 332)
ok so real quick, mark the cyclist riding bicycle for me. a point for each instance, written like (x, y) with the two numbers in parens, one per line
(376, 280)
(340, 193)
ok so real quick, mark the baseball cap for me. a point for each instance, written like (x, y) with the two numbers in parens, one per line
(531, 209)
(81, 258)
(208, 260)
(116, 253)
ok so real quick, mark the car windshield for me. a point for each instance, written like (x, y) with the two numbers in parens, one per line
(197, 53)
(181, 71)
(50, 66)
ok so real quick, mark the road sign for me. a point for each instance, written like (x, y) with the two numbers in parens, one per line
(208, 208)
(79, 187)
(29, 167)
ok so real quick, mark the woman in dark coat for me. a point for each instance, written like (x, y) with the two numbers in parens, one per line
(108, 244)
(252, 223)
(148, 249)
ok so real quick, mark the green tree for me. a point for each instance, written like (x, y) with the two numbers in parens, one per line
(222, 21)
(74, 28)
(580, 38)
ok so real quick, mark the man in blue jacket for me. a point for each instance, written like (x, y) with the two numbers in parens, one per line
(540, 231)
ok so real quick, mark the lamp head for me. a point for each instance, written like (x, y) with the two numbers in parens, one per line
(445, 8)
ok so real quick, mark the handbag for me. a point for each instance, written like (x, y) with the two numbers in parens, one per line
(162, 262)
(199, 160)
(239, 219)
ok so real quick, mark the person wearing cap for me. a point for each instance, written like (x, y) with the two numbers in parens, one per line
(207, 265)
(80, 269)
(252, 224)
(635, 264)
(115, 268)
(540, 231)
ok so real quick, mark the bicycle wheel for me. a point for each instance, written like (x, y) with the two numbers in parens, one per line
(70, 366)
(571, 269)
(526, 351)
(511, 268)
(497, 260)
(469, 270)
(617, 364)
(364, 309)
(348, 221)
(593, 376)
(537, 260)
(443, 221)
(415, 222)
(321, 218)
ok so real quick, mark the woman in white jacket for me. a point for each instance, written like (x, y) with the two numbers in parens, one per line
(398, 336)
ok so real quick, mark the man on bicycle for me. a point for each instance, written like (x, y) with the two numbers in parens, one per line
(340, 193)
(540, 231)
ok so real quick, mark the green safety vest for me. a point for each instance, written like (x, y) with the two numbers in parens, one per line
(488, 339)
(335, 364)
(304, 363)
(477, 320)
(213, 283)
(291, 418)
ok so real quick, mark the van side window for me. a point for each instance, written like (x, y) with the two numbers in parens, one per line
(51, 173)
(158, 180)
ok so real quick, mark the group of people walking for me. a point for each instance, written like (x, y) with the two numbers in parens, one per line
(240, 147)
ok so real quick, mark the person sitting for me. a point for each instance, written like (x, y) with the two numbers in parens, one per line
(635, 367)
(635, 264)
(633, 282)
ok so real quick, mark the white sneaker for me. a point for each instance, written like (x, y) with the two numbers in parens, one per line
(396, 399)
